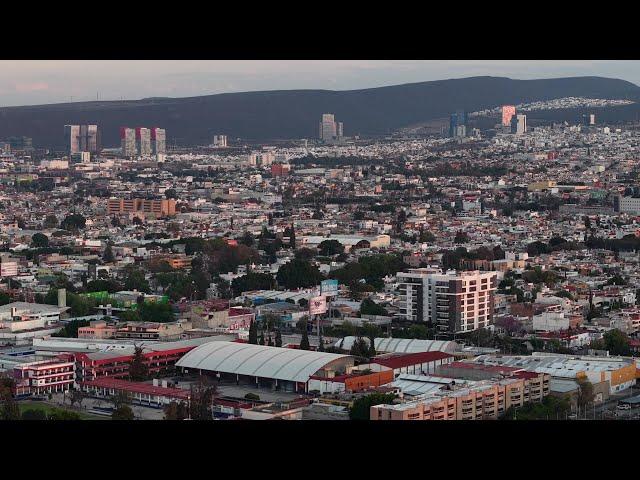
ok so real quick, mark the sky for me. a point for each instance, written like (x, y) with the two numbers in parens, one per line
(33, 82)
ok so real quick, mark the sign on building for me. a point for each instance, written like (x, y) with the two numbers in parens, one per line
(329, 287)
(318, 305)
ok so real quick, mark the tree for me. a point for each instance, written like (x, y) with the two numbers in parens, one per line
(361, 408)
(70, 330)
(298, 274)
(50, 221)
(304, 341)
(550, 408)
(305, 254)
(202, 396)
(360, 348)
(278, 338)
(107, 256)
(170, 193)
(123, 412)
(34, 415)
(138, 369)
(252, 281)
(176, 411)
(104, 285)
(330, 247)
(39, 240)
(585, 393)
(5, 299)
(9, 409)
(135, 280)
(247, 239)
(253, 333)
(76, 396)
(461, 237)
(369, 307)
(73, 222)
(617, 342)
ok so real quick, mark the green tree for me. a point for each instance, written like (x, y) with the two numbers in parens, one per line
(330, 247)
(70, 330)
(252, 281)
(107, 256)
(135, 280)
(369, 307)
(34, 415)
(50, 221)
(304, 341)
(461, 237)
(253, 333)
(73, 222)
(360, 348)
(298, 274)
(617, 342)
(5, 299)
(123, 412)
(138, 368)
(176, 411)
(202, 396)
(9, 409)
(39, 240)
(586, 395)
(361, 408)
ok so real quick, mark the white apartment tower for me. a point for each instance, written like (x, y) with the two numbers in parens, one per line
(143, 141)
(453, 302)
(330, 130)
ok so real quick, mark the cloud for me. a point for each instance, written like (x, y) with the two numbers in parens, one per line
(31, 87)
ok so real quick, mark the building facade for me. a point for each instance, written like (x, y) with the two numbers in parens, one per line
(158, 208)
(158, 141)
(128, 141)
(453, 302)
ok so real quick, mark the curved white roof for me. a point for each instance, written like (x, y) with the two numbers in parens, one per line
(403, 345)
(257, 360)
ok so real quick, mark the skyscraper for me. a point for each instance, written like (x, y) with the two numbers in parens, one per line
(458, 124)
(82, 138)
(449, 301)
(72, 136)
(330, 129)
(519, 124)
(220, 141)
(128, 141)
(158, 140)
(143, 141)
(508, 111)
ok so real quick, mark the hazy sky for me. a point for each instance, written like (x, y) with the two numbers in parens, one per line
(31, 82)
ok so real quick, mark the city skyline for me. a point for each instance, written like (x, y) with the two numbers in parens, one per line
(44, 82)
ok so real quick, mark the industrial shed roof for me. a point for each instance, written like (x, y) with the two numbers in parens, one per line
(403, 345)
(258, 360)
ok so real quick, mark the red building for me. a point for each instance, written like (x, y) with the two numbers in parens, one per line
(49, 376)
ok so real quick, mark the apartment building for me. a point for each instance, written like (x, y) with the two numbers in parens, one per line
(453, 302)
(47, 376)
(157, 208)
(460, 400)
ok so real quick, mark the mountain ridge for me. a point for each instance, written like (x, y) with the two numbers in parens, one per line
(282, 114)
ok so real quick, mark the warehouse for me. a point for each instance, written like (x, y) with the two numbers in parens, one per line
(402, 345)
(277, 368)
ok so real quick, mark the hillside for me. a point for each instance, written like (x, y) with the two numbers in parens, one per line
(295, 113)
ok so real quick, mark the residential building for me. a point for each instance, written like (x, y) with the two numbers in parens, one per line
(453, 302)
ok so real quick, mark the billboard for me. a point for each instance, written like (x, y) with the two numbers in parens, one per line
(329, 287)
(318, 305)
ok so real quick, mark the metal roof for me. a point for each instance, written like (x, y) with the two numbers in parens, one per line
(258, 360)
(403, 345)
